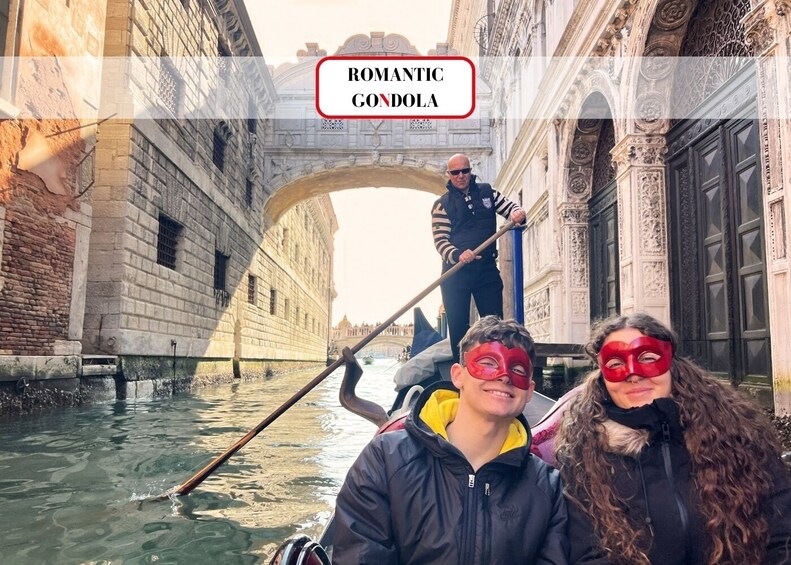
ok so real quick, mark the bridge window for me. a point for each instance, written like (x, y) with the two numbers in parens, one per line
(333, 125)
(272, 301)
(251, 289)
(167, 241)
(421, 125)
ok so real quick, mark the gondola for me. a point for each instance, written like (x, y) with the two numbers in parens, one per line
(430, 361)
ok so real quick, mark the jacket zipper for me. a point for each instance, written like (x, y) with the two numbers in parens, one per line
(468, 542)
(487, 526)
(682, 509)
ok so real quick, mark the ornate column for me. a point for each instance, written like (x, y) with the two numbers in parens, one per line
(575, 256)
(642, 225)
(767, 31)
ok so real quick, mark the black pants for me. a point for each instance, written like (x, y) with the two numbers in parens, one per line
(480, 280)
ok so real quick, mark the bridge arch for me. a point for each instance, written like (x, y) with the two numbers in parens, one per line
(307, 155)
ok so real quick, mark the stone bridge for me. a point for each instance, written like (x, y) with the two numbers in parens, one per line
(307, 155)
(380, 346)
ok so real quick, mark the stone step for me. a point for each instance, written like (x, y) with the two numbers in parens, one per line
(99, 365)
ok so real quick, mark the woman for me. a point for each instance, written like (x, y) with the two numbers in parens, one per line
(664, 464)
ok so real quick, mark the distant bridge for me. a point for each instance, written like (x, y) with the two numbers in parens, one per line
(390, 343)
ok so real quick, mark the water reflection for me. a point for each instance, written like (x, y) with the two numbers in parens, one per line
(71, 480)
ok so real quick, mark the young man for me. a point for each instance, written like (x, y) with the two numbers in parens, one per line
(462, 219)
(459, 484)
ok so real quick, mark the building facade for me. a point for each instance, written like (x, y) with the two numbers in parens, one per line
(639, 197)
(141, 244)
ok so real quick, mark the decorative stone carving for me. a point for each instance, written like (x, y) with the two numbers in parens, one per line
(537, 313)
(578, 256)
(582, 152)
(579, 184)
(640, 150)
(658, 61)
(377, 44)
(651, 212)
(672, 14)
(777, 229)
(654, 281)
(650, 110)
(573, 213)
(579, 303)
(760, 34)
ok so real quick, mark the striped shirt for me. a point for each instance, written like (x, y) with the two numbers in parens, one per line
(441, 226)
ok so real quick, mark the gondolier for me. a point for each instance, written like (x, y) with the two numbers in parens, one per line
(461, 219)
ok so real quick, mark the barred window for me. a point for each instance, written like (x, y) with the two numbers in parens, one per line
(167, 241)
(306, 320)
(272, 301)
(251, 289)
(421, 125)
(218, 150)
(223, 63)
(333, 125)
(220, 277)
(286, 308)
(170, 87)
(248, 192)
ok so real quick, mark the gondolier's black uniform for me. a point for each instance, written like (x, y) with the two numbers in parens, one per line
(412, 497)
(463, 220)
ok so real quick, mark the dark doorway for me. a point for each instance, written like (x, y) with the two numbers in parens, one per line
(603, 230)
(719, 300)
(719, 297)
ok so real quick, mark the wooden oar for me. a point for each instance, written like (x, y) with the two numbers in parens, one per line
(187, 486)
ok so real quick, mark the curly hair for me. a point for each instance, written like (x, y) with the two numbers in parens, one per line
(491, 328)
(729, 441)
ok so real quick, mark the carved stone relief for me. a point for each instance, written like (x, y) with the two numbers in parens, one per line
(579, 183)
(578, 255)
(627, 286)
(579, 303)
(672, 14)
(573, 213)
(537, 311)
(651, 212)
(777, 229)
(654, 281)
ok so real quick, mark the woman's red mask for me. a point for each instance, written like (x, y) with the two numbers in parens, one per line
(644, 356)
(492, 360)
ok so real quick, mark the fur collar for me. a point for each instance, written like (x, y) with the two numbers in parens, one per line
(623, 440)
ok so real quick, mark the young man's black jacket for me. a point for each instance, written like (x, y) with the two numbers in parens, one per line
(411, 497)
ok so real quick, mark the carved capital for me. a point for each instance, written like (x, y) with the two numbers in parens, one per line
(573, 213)
(760, 28)
(640, 151)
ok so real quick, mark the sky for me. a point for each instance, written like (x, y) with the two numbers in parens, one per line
(384, 254)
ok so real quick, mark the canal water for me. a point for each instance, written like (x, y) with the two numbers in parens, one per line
(74, 482)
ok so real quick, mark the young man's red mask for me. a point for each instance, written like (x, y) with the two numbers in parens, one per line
(492, 360)
(644, 356)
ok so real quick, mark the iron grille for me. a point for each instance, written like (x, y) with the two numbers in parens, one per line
(421, 125)
(167, 242)
(220, 276)
(332, 125)
(272, 301)
(251, 284)
(218, 151)
(169, 87)
(248, 192)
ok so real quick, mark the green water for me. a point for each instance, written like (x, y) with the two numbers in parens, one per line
(73, 482)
